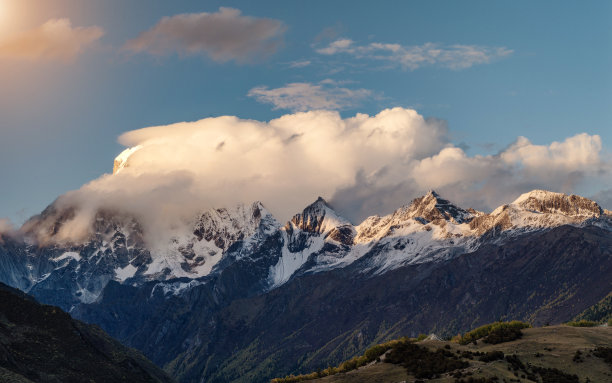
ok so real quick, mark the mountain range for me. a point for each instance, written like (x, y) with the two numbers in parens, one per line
(235, 295)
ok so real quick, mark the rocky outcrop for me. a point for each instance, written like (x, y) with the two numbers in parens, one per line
(433, 208)
(557, 203)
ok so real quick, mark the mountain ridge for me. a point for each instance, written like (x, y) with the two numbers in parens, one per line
(236, 296)
(317, 239)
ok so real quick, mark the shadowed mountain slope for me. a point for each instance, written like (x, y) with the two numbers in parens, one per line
(42, 343)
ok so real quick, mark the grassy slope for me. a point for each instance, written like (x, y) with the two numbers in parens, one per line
(563, 341)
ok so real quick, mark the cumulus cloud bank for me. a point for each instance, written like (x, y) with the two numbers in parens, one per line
(223, 36)
(455, 56)
(364, 164)
(303, 96)
(55, 40)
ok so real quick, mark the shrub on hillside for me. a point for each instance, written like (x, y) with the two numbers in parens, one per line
(423, 363)
(582, 323)
(491, 356)
(604, 353)
(502, 332)
(553, 375)
(368, 356)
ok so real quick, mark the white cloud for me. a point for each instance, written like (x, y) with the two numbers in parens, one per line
(451, 166)
(6, 228)
(488, 181)
(340, 45)
(5, 225)
(413, 57)
(225, 35)
(573, 154)
(54, 40)
(299, 64)
(185, 167)
(364, 164)
(302, 96)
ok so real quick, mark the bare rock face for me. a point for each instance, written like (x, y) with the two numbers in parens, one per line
(557, 203)
(434, 208)
(318, 220)
(427, 213)
(487, 222)
(225, 227)
(538, 209)
(318, 217)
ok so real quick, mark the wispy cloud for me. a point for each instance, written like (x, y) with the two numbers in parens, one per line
(54, 40)
(223, 36)
(299, 64)
(302, 96)
(337, 46)
(415, 56)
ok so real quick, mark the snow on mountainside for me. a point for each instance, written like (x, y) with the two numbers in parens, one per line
(317, 230)
(121, 161)
(115, 249)
(193, 254)
(431, 228)
(539, 209)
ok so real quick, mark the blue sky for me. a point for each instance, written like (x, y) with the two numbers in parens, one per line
(546, 76)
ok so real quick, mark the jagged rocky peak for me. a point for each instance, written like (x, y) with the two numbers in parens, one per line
(538, 209)
(434, 208)
(226, 226)
(428, 212)
(543, 201)
(319, 217)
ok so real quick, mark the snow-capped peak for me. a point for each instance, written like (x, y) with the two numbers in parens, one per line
(319, 217)
(121, 161)
(538, 209)
(543, 201)
(429, 212)
(226, 226)
(434, 208)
